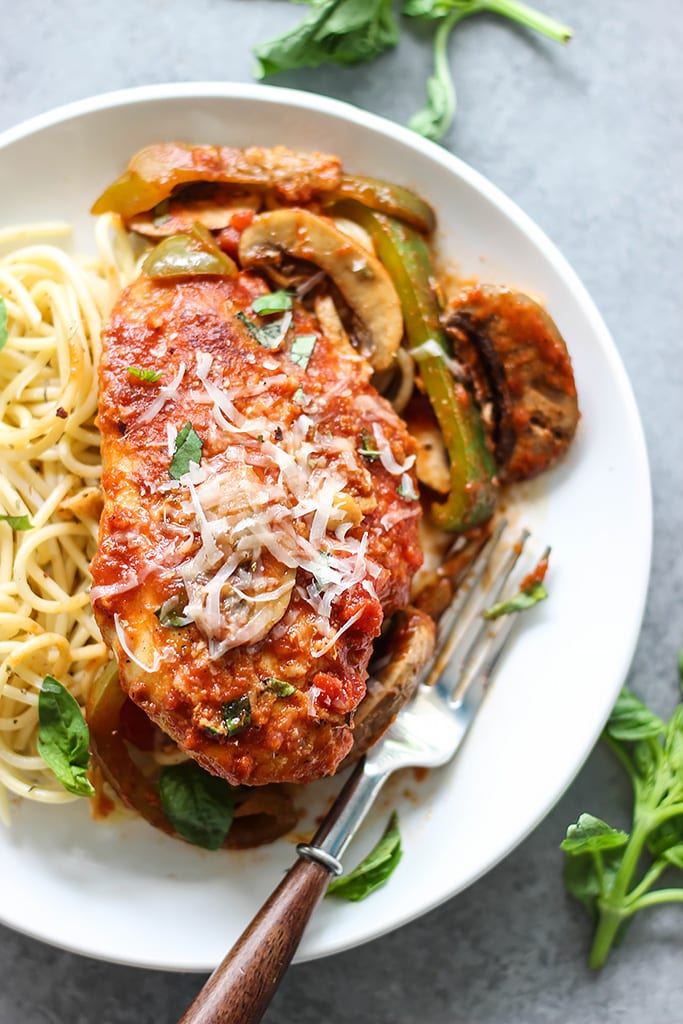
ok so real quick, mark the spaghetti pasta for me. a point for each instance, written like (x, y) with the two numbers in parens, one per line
(49, 471)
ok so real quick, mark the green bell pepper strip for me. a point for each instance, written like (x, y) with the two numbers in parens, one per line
(190, 255)
(405, 255)
(393, 200)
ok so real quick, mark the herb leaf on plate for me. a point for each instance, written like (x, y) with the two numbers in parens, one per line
(199, 805)
(612, 872)
(374, 870)
(63, 737)
(334, 32)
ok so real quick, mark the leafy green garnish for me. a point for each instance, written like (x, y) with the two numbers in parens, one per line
(374, 870)
(198, 805)
(63, 737)
(188, 448)
(349, 31)
(4, 333)
(17, 522)
(335, 32)
(435, 118)
(146, 375)
(275, 302)
(302, 349)
(601, 862)
(236, 715)
(300, 396)
(525, 598)
(368, 446)
(272, 334)
(280, 686)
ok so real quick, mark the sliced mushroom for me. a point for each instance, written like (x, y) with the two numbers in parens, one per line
(432, 465)
(361, 279)
(212, 206)
(522, 375)
(411, 644)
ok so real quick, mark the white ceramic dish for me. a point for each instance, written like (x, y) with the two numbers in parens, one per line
(122, 892)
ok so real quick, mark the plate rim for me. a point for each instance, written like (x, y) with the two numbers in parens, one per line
(300, 99)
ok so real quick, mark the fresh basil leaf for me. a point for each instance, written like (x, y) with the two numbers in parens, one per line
(280, 687)
(374, 870)
(582, 880)
(368, 446)
(4, 333)
(272, 334)
(302, 349)
(188, 448)
(236, 715)
(17, 522)
(63, 737)
(632, 720)
(522, 600)
(434, 119)
(335, 32)
(146, 375)
(275, 302)
(198, 805)
(592, 835)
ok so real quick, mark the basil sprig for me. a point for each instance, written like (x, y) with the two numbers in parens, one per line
(613, 872)
(374, 870)
(200, 806)
(63, 737)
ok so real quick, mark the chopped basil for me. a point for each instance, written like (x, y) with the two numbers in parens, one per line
(188, 448)
(302, 349)
(368, 448)
(198, 805)
(4, 333)
(300, 396)
(406, 490)
(525, 598)
(275, 302)
(17, 522)
(171, 614)
(63, 737)
(272, 334)
(280, 687)
(236, 715)
(147, 375)
(374, 870)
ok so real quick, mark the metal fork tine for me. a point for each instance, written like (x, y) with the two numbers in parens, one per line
(498, 631)
(464, 630)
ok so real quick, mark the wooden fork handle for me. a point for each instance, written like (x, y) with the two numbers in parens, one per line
(242, 986)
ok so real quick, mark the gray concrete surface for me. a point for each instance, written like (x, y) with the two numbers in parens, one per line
(588, 141)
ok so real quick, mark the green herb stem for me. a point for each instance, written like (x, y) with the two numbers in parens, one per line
(605, 934)
(646, 882)
(530, 18)
(653, 899)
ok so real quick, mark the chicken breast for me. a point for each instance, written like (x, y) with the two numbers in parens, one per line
(260, 521)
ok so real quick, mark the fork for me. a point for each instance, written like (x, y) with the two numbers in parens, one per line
(427, 732)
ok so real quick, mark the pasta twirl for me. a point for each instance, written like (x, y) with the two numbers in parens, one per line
(49, 472)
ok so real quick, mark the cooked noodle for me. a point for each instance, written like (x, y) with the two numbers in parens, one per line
(49, 471)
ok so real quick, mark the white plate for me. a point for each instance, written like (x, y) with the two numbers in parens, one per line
(122, 892)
